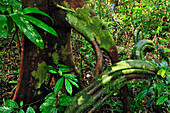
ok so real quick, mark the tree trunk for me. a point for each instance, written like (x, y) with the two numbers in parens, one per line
(33, 78)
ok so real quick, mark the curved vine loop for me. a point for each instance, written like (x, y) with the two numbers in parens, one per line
(115, 77)
(109, 82)
(141, 47)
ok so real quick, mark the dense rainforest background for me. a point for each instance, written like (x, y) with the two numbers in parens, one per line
(79, 56)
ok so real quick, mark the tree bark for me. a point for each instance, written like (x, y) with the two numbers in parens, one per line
(55, 49)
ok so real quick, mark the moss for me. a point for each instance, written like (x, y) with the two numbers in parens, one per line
(40, 74)
(55, 56)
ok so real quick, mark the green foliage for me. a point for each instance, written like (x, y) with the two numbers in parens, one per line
(67, 80)
(10, 13)
(92, 29)
(11, 106)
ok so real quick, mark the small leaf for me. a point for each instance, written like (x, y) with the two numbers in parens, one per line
(11, 103)
(69, 76)
(30, 110)
(62, 69)
(141, 95)
(35, 10)
(21, 111)
(52, 71)
(21, 103)
(62, 65)
(161, 99)
(28, 29)
(58, 85)
(13, 82)
(41, 24)
(74, 83)
(161, 72)
(68, 86)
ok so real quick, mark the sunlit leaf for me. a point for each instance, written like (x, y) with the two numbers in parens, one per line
(58, 85)
(30, 110)
(4, 109)
(161, 99)
(68, 86)
(27, 29)
(161, 72)
(41, 24)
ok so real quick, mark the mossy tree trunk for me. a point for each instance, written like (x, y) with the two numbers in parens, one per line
(33, 80)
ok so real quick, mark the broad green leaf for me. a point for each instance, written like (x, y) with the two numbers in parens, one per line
(161, 99)
(3, 26)
(161, 72)
(141, 95)
(41, 24)
(30, 110)
(11, 103)
(28, 10)
(58, 85)
(4, 109)
(74, 83)
(21, 111)
(27, 29)
(68, 86)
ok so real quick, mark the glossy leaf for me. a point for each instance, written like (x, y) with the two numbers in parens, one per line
(4, 109)
(41, 24)
(30, 110)
(74, 83)
(161, 99)
(28, 10)
(21, 111)
(11, 103)
(58, 85)
(68, 86)
(27, 29)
